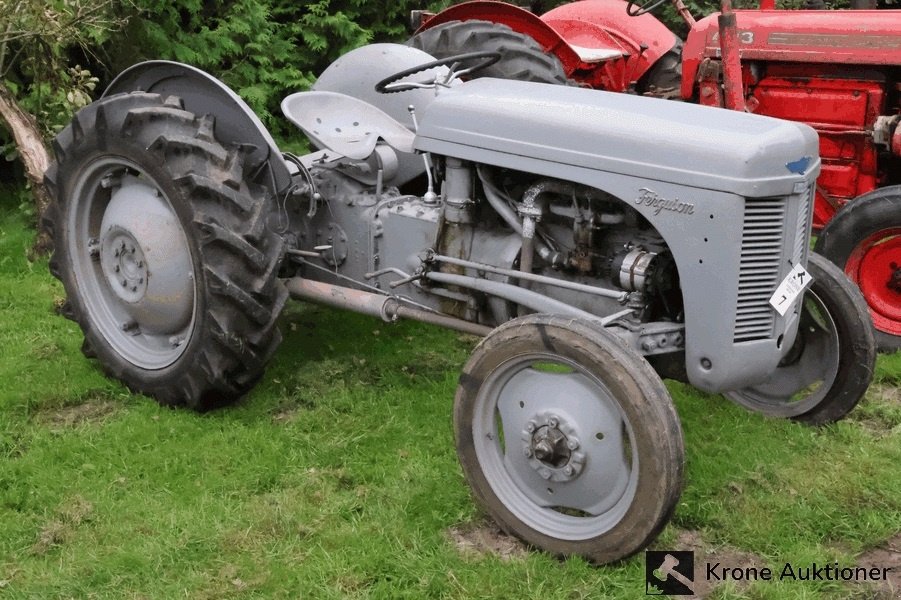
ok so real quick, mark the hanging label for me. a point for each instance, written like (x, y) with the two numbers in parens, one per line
(794, 284)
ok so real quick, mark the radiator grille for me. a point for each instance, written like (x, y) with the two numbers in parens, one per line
(762, 240)
(802, 239)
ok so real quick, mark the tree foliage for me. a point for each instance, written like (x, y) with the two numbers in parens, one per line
(55, 54)
(39, 89)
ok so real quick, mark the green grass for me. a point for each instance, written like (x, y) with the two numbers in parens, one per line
(336, 477)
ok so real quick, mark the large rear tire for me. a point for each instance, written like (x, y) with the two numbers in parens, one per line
(864, 240)
(164, 251)
(568, 438)
(830, 366)
(522, 59)
(664, 78)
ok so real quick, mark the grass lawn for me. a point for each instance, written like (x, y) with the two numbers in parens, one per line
(336, 477)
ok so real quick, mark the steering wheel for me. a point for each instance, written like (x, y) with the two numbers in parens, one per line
(482, 59)
(642, 9)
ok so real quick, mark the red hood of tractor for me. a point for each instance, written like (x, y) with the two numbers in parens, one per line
(867, 37)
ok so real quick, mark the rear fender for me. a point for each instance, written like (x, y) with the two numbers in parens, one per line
(605, 24)
(203, 94)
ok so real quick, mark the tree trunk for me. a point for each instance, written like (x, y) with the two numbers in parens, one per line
(32, 151)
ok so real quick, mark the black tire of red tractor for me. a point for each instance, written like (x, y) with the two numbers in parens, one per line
(522, 59)
(235, 257)
(644, 402)
(664, 78)
(867, 215)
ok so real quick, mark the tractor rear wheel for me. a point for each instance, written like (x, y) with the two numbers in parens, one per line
(664, 78)
(568, 438)
(522, 58)
(164, 251)
(830, 366)
(864, 240)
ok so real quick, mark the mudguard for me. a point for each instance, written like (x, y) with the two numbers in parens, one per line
(578, 34)
(203, 94)
(605, 24)
(517, 19)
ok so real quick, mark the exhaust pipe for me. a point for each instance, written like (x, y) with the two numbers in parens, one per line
(386, 308)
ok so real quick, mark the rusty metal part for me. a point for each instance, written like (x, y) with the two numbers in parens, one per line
(733, 90)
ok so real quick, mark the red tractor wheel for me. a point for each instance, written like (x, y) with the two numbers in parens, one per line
(864, 239)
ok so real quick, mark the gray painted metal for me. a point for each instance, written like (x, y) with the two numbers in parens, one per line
(529, 299)
(656, 139)
(387, 308)
(551, 281)
(702, 227)
(203, 94)
(137, 278)
(345, 124)
(356, 73)
(600, 476)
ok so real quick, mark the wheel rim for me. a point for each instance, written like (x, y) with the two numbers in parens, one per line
(806, 374)
(131, 263)
(555, 446)
(875, 265)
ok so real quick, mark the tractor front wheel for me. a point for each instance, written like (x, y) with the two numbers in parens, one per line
(164, 250)
(568, 438)
(830, 366)
(864, 240)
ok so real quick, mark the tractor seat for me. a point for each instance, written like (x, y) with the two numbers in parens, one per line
(344, 124)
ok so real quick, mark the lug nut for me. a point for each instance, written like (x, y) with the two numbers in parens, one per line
(568, 470)
(530, 426)
(572, 444)
(527, 452)
(553, 422)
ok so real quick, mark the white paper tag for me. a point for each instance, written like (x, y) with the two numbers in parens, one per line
(794, 284)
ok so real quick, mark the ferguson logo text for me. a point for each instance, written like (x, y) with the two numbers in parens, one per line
(652, 199)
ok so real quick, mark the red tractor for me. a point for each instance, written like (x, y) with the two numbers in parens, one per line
(838, 71)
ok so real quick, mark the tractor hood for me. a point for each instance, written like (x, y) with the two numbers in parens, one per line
(662, 140)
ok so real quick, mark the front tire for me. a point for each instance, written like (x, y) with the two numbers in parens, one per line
(568, 438)
(830, 366)
(864, 240)
(164, 251)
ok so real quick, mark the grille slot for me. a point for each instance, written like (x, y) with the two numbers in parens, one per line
(761, 253)
(802, 239)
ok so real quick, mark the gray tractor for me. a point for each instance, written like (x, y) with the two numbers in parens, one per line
(597, 242)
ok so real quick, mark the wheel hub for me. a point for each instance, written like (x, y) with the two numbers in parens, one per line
(894, 282)
(551, 446)
(124, 265)
(874, 265)
(145, 259)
